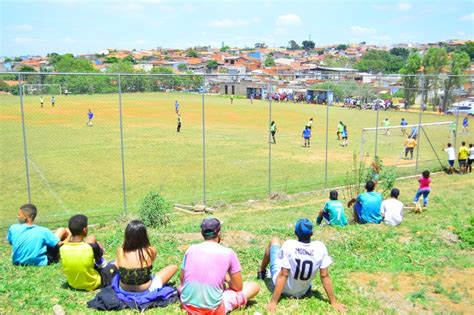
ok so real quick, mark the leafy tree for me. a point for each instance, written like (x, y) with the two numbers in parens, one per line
(401, 52)
(342, 47)
(458, 62)
(212, 65)
(338, 61)
(292, 45)
(260, 45)
(129, 59)
(225, 48)
(308, 45)
(111, 60)
(4, 86)
(53, 58)
(376, 61)
(434, 60)
(182, 67)
(410, 83)
(8, 59)
(320, 52)
(191, 53)
(25, 68)
(269, 61)
(17, 59)
(468, 48)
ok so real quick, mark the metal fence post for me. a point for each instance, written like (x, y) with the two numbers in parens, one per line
(269, 143)
(124, 189)
(418, 133)
(377, 122)
(25, 146)
(203, 152)
(327, 136)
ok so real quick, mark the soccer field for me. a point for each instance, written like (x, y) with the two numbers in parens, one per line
(77, 169)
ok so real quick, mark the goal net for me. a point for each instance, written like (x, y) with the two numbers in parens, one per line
(42, 89)
(407, 147)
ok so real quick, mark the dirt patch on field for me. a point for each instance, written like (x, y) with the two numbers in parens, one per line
(450, 291)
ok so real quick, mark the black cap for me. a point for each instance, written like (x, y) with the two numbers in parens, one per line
(210, 227)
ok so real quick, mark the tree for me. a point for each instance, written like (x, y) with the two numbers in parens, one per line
(111, 60)
(308, 45)
(379, 61)
(225, 48)
(8, 59)
(191, 53)
(320, 52)
(212, 65)
(410, 82)
(337, 61)
(27, 69)
(468, 48)
(269, 61)
(130, 59)
(182, 67)
(401, 52)
(458, 62)
(260, 45)
(341, 47)
(434, 61)
(17, 59)
(292, 45)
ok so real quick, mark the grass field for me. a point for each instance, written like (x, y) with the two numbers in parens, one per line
(74, 168)
(424, 266)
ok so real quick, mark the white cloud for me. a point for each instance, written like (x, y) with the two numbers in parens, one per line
(288, 20)
(228, 23)
(360, 30)
(404, 6)
(468, 17)
(27, 40)
(21, 27)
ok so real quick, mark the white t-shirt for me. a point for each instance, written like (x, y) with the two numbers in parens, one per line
(393, 210)
(303, 260)
(471, 153)
(451, 153)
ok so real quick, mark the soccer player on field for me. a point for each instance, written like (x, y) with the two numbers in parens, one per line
(345, 136)
(404, 123)
(180, 120)
(340, 128)
(41, 101)
(307, 136)
(386, 124)
(451, 157)
(294, 265)
(90, 115)
(465, 125)
(463, 155)
(410, 144)
(52, 101)
(176, 107)
(309, 124)
(273, 130)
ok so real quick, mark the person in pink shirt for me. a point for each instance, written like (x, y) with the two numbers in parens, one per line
(424, 188)
(211, 280)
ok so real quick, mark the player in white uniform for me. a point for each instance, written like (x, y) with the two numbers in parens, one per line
(294, 264)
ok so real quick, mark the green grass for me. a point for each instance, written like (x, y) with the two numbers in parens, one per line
(74, 168)
(418, 248)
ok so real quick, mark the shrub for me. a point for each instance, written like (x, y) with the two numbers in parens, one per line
(154, 210)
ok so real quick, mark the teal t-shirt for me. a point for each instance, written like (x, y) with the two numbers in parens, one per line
(335, 209)
(371, 203)
(29, 244)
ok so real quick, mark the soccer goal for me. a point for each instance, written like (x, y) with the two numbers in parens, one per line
(42, 89)
(418, 145)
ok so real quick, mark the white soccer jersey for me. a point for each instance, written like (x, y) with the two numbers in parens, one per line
(303, 260)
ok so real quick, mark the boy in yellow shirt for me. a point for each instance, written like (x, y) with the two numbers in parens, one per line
(82, 258)
(462, 157)
(410, 144)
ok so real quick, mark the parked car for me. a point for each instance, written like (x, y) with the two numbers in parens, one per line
(461, 110)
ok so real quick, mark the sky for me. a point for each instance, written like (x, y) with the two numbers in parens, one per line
(38, 27)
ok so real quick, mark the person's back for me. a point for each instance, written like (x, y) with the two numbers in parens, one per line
(392, 209)
(201, 287)
(371, 202)
(333, 211)
(303, 260)
(29, 244)
(463, 152)
(77, 259)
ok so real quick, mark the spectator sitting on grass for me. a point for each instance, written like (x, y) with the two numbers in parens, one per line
(294, 265)
(333, 211)
(367, 205)
(82, 258)
(392, 209)
(135, 261)
(34, 245)
(207, 269)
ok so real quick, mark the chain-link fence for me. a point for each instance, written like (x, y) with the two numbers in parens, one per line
(97, 143)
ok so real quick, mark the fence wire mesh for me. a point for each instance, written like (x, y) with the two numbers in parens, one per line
(96, 144)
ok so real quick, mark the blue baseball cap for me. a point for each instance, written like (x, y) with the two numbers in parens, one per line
(304, 228)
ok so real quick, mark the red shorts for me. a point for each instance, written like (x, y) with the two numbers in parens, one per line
(230, 301)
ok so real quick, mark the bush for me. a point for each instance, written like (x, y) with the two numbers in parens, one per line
(154, 210)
